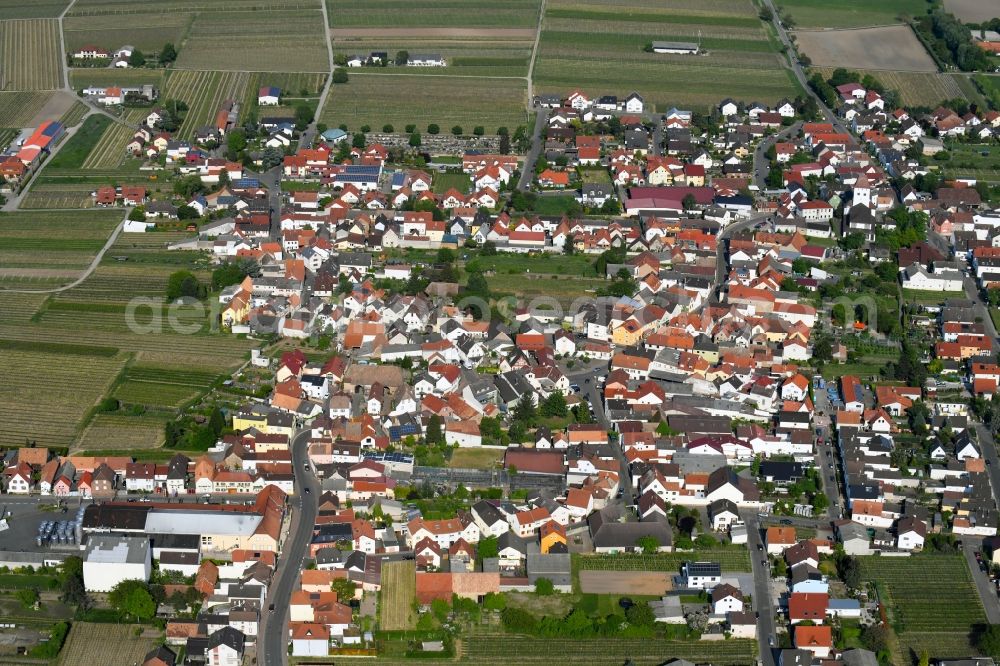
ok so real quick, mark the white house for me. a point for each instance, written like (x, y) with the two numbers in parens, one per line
(268, 96)
(910, 534)
(726, 599)
(109, 560)
(916, 276)
(634, 103)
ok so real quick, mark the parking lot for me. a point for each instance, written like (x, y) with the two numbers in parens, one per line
(23, 521)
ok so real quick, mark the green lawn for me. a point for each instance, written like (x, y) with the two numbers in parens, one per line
(445, 181)
(518, 264)
(928, 297)
(72, 155)
(598, 175)
(735, 558)
(484, 458)
(554, 204)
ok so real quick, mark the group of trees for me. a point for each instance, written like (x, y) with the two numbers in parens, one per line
(184, 284)
(951, 42)
(195, 433)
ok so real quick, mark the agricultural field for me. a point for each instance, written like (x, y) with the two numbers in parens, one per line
(467, 56)
(980, 161)
(48, 393)
(731, 559)
(120, 8)
(30, 56)
(84, 77)
(18, 9)
(60, 244)
(850, 13)
(162, 387)
(915, 610)
(916, 89)
(17, 109)
(204, 92)
(75, 115)
(19, 308)
(143, 31)
(973, 11)
(279, 41)
(451, 14)
(76, 149)
(586, 46)
(51, 196)
(6, 136)
(374, 99)
(894, 48)
(115, 431)
(399, 588)
(109, 151)
(499, 648)
(104, 643)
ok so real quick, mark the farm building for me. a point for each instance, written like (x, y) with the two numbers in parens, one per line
(268, 96)
(425, 60)
(682, 48)
(111, 559)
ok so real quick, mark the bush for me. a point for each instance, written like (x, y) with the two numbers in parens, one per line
(339, 76)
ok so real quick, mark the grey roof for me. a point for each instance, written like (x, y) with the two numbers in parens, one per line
(555, 567)
(117, 549)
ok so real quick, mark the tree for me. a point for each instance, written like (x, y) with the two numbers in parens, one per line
(649, 544)
(339, 76)
(132, 598)
(414, 140)
(182, 284)
(137, 59)
(875, 637)
(271, 158)
(988, 640)
(554, 405)
(388, 129)
(402, 57)
(28, 596)
(544, 587)
(689, 202)
(232, 272)
(456, 130)
(524, 409)
(849, 572)
(433, 129)
(236, 142)
(359, 140)
(640, 615)
(569, 245)
(488, 547)
(479, 130)
(217, 421)
(340, 59)
(478, 285)
(434, 433)
(168, 54)
(189, 186)
(303, 116)
(137, 214)
(345, 589)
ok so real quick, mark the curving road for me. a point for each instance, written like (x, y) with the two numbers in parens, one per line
(272, 640)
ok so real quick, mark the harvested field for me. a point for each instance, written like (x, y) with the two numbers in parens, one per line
(44, 196)
(893, 48)
(429, 32)
(973, 11)
(624, 582)
(373, 99)
(914, 88)
(30, 56)
(399, 589)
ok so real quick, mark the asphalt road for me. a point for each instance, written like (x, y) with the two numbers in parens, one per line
(537, 145)
(761, 165)
(272, 641)
(987, 591)
(761, 589)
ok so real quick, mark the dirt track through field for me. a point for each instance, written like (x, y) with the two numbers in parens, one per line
(891, 48)
(494, 33)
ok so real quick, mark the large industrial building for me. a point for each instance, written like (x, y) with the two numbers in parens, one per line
(219, 529)
(111, 559)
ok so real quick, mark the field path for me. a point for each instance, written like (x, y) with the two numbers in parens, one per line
(90, 269)
(534, 55)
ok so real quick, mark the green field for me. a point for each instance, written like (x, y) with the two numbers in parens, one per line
(972, 160)
(445, 181)
(375, 100)
(83, 77)
(144, 32)
(75, 150)
(64, 241)
(915, 610)
(512, 264)
(431, 13)
(585, 45)
(849, 13)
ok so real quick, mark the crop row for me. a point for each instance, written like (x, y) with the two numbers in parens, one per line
(30, 55)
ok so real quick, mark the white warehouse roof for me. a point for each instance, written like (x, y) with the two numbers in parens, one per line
(202, 522)
(116, 550)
